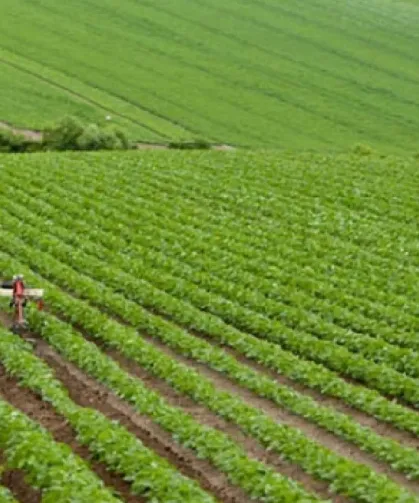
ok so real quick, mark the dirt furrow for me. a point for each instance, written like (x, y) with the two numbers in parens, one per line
(281, 415)
(89, 393)
(42, 412)
(380, 427)
(14, 480)
(205, 416)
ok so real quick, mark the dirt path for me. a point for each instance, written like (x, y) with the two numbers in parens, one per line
(33, 135)
(29, 134)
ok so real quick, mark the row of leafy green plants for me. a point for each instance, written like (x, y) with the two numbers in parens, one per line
(218, 199)
(378, 376)
(287, 441)
(150, 264)
(49, 466)
(238, 237)
(119, 450)
(149, 475)
(340, 314)
(241, 341)
(282, 249)
(272, 237)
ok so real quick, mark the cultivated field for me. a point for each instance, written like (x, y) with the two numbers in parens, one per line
(228, 327)
(295, 74)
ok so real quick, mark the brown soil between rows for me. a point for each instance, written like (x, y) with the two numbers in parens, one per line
(43, 413)
(382, 428)
(203, 415)
(281, 415)
(329, 440)
(14, 480)
(89, 393)
(200, 413)
(386, 429)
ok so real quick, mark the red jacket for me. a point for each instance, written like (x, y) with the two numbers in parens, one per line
(18, 288)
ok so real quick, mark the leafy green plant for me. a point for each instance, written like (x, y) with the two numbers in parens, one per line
(49, 466)
(150, 476)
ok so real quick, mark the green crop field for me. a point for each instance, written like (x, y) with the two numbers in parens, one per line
(312, 74)
(218, 327)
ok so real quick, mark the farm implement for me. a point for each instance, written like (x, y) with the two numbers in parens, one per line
(19, 296)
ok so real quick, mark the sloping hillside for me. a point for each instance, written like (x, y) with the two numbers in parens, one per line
(295, 73)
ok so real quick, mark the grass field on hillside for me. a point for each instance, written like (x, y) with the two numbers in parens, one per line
(218, 327)
(295, 74)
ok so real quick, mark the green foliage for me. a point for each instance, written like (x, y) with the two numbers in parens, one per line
(294, 263)
(363, 150)
(11, 142)
(5, 495)
(110, 442)
(64, 135)
(271, 74)
(198, 144)
(71, 134)
(49, 466)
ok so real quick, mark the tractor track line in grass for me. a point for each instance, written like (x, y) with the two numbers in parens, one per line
(42, 412)
(272, 75)
(187, 128)
(328, 27)
(193, 64)
(276, 55)
(346, 56)
(14, 480)
(83, 98)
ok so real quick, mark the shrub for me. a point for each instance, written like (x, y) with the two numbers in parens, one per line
(198, 144)
(361, 149)
(14, 143)
(64, 135)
